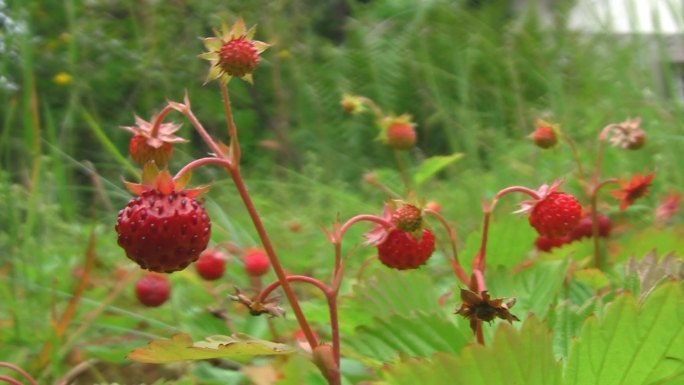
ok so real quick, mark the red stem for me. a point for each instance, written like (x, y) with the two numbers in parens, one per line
(478, 332)
(455, 264)
(159, 119)
(10, 380)
(227, 164)
(19, 370)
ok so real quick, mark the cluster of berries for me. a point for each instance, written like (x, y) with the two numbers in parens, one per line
(584, 229)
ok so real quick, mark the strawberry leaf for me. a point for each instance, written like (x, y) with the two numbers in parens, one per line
(432, 166)
(632, 343)
(181, 347)
(513, 357)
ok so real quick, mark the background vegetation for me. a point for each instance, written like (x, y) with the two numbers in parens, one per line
(474, 76)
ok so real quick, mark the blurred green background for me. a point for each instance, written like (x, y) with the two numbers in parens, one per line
(474, 75)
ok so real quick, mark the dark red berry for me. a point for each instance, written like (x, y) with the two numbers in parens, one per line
(402, 250)
(256, 262)
(153, 289)
(555, 215)
(211, 265)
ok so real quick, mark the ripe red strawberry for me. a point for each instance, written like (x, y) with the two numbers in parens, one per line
(153, 289)
(408, 218)
(163, 230)
(141, 152)
(555, 215)
(211, 264)
(584, 227)
(238, 57)
(401, 136)
(401, 250)
(545, 244)
(256, 262)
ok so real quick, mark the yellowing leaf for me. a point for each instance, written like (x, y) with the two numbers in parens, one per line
(181, 347)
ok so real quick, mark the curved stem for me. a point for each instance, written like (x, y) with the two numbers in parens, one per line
(575, 155)
(522, 189)
(373, 106)
(455, 264)
(10, 380)
(19, 370)
(232, 130)
(360, 218)
(203, 133)
(331, 298)
(593, 197)
(159, 119)
(270, 252)
(201, 162)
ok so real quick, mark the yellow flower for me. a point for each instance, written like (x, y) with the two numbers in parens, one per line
(233, 52)
(62, 79)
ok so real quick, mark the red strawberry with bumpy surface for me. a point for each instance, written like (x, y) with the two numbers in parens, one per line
(153, 289)
(401, 250)
(211, 264)
(555, 215)
(163, 230)
(238, 57)
(408, 218)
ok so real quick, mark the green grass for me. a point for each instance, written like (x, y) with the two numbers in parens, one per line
(474, 81)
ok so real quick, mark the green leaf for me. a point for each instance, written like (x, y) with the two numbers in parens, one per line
(420, 335)
(181, 347)
(509, 243)
(631, 344)
(514, 357)
(432, 166)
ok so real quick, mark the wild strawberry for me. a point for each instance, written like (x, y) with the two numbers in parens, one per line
(401, 136)
(141, 152)
(398, 132)
(555, 215)
(545, 134)
(256, 262)
(211, 264)
(545, 244)
(408, 218)
(150, 144)
(153, 289)
(584, 228)
(233, 52)
(165, 228)
(401, 250)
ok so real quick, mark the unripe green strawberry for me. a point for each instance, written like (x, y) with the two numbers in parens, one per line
(408, 218)
(211, 264)
(256, 262)
(401, 250)
(555, 215)
(153, 289)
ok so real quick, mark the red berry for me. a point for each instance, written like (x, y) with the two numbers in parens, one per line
(163, 232)
(584, 228)
(211, 265)
(153, 289)
(238, 57)
(555, 215)
(545, 244)
(401, 250)
(408, 218)
(142, 152)
(434, 206)
(256, 262)
(401, 136)
(544, 137)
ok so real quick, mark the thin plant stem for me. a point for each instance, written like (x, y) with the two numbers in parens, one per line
(478, 332)
(455, 264)
(402, 171)
(273, 258)
(159, 119)
(575, 155)
(593, 197)
(10, 380)
(232, 130)
(20, 371)
(225, 163)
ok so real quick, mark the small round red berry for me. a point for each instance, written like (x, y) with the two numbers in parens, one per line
(402, 250)
(555, 215)
(153, 289)
(211, 264)
(256, 262)
(238, 57)
(401, 136)
(544, 137)
(584, 228)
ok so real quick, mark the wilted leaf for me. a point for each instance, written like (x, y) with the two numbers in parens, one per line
(432, 166)
(513, 357)
(650, 272)
(631, 344)
(181, 347)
